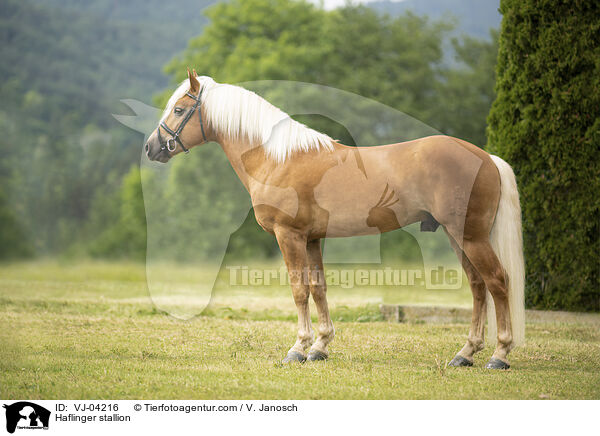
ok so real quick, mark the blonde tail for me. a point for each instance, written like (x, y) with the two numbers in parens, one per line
(507, 241)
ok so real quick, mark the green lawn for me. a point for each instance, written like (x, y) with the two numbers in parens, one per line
(90, 331)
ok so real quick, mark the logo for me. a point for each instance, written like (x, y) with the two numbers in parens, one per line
(26, 415)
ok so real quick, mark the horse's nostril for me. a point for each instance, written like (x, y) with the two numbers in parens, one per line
(147, 149)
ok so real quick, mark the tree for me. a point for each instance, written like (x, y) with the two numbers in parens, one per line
(392, 60)
(545, 122)
(467, 90)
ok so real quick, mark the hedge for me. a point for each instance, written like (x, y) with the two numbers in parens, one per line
(545, 122)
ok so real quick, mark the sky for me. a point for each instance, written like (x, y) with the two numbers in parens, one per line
(331, 4)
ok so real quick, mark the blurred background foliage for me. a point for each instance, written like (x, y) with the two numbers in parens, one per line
(69, 172)
(68, 166)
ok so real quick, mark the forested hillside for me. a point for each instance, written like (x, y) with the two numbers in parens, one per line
(65, 50)
(65, 66)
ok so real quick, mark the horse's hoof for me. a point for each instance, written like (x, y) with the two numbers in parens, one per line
(294, 356)
(495, 363)
(460, 361)
(317, 355)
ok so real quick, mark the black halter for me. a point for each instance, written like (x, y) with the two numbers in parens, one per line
(174, 140)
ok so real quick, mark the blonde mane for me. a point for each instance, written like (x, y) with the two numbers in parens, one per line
(238, 113)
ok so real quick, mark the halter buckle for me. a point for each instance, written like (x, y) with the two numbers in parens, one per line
(169, 142)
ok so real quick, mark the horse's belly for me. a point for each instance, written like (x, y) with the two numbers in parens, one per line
(337, 227)
(364, 219)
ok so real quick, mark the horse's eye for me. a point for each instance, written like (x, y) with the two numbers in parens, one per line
(178, 111)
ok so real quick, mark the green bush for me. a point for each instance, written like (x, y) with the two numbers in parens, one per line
(13, 242)
(545, 122)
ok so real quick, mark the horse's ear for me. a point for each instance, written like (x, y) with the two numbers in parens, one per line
(194, 84)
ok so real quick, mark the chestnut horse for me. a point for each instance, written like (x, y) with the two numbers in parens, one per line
(305, 187)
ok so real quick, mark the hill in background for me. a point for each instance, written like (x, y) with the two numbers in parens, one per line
(474, 17)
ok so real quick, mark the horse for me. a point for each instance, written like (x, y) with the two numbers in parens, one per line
(305, 187)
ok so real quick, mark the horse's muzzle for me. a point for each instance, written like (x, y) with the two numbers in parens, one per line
(155, 152)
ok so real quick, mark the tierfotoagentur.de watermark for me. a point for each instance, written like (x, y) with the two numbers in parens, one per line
(346, 278)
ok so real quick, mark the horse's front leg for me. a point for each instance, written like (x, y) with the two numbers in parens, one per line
(318, 289)
(293, 248)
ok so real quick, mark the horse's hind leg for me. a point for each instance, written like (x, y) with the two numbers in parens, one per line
(482, 256)
(294, 250)
(475, 338)
(318, 289)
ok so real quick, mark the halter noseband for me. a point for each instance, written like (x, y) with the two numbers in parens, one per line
(171, 144)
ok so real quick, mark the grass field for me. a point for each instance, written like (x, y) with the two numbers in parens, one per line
(90, 331)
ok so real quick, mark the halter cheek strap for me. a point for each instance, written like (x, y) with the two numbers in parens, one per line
(171, 144)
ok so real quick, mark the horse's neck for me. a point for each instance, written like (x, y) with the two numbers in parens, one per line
(235, 150)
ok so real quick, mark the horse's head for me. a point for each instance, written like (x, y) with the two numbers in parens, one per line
(182, 125)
